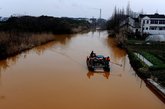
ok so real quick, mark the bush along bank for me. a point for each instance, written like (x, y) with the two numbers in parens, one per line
(158, 69)
(14, 43)
(153, 75)
(139, 66)
(153, 52)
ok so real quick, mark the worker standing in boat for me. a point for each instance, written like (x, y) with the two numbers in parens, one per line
(92, 57)
(107, 60)
(92, 54)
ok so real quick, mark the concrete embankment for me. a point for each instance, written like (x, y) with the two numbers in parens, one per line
(156, 87)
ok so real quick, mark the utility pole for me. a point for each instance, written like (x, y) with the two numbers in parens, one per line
(100, 13)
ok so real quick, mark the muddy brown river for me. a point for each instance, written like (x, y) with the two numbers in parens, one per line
(55, 76)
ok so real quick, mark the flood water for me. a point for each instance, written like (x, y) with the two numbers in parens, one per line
(55, 76)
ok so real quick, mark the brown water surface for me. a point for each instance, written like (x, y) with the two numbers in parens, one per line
(55, 76)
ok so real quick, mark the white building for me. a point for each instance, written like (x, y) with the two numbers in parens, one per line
(145, 24)
(152, 23)
(130, 24)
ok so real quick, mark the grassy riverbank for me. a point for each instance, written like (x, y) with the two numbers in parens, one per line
(12, 43)
(153, 52)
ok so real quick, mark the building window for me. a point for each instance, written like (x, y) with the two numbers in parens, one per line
(153, 28)
(161, 28)
(161, 21)
(147, 21)
(146, 28)
(154, 21)
(137, 30)
(143, 21)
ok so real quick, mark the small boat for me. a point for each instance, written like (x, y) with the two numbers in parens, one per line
(98, 62)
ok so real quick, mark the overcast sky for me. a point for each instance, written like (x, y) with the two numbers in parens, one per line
(76, 8)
